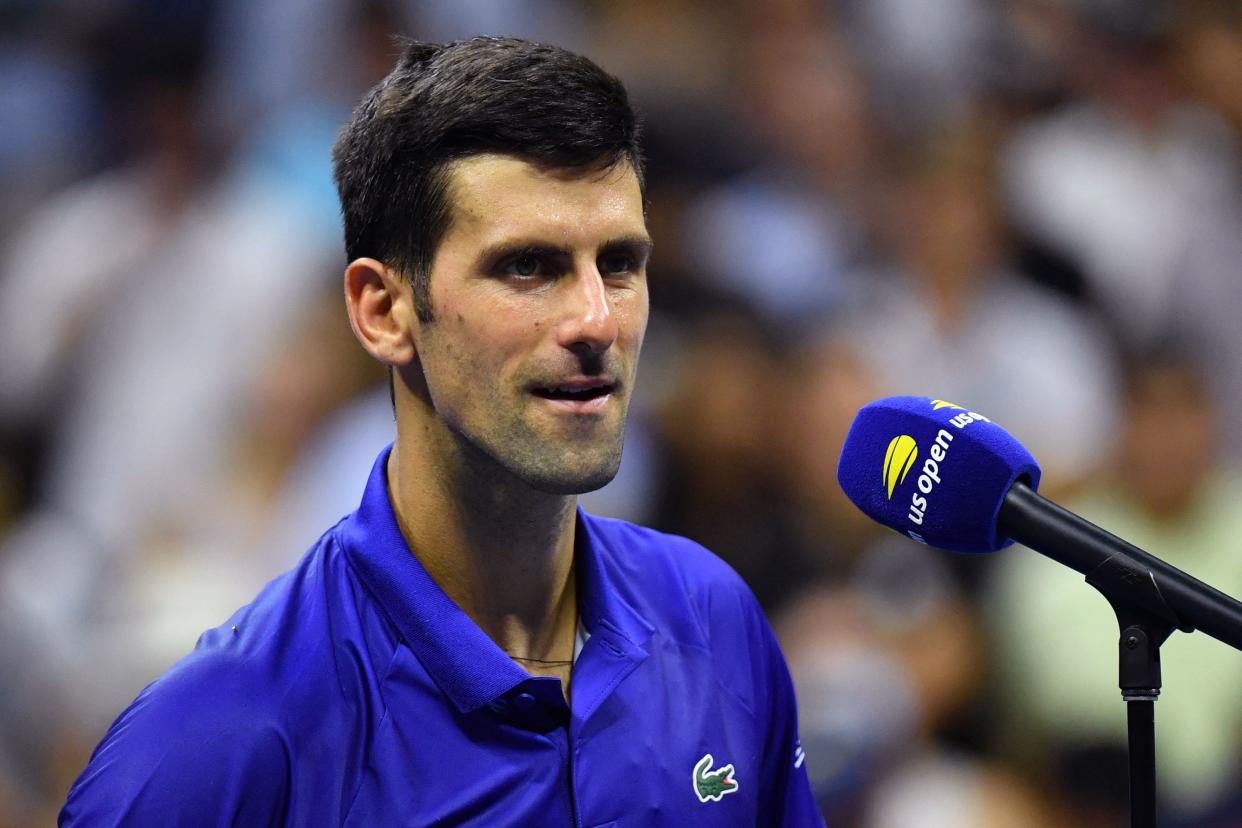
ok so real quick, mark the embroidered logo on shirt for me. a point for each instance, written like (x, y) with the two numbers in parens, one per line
(711, 785)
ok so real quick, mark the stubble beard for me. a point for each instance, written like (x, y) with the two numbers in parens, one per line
(564, 455)
(549, 453)
(552, 464)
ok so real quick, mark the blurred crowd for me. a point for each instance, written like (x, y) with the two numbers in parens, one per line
(1029, 207)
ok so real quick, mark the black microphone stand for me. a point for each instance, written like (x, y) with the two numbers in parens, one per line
(1146, 621)
(1139, 679)
(1145, 618)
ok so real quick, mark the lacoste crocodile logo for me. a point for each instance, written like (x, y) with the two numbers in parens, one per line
(712, 785)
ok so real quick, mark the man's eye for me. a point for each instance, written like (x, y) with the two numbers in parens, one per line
(524, 266)
(615, 263)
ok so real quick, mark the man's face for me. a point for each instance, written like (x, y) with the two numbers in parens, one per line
(539, 296)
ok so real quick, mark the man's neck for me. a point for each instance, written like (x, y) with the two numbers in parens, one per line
(503, 552)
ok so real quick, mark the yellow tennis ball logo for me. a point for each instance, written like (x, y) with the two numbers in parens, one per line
(939, 404)
(898, 460)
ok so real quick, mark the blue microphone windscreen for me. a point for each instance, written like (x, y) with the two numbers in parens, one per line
(933, 471)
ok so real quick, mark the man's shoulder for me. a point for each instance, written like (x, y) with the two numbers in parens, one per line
(274, 648)
(213, 715)
(283, 645)
(262, 687)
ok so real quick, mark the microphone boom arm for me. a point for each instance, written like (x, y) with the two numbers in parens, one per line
(1125, 574)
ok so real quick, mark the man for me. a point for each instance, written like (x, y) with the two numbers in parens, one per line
(469, 647)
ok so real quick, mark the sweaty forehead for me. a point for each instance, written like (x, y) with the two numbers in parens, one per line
(496, 197)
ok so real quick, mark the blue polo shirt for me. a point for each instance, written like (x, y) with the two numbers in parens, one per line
(354, 691)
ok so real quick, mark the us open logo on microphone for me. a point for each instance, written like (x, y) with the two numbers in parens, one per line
(902, 453)
(899, 459)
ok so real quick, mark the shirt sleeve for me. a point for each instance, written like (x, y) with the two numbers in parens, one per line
(188, 752)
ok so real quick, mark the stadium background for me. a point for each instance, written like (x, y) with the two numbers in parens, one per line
(1028, 207)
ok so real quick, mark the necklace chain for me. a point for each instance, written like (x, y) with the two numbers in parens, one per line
(542, 661)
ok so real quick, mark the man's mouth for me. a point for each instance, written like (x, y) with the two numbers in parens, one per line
(582, 392)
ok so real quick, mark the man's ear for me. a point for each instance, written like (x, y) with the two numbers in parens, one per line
(381, 311)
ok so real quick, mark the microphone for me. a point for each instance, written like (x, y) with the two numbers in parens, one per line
(951, 478)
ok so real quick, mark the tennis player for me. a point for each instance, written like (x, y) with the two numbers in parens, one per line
(469, 647)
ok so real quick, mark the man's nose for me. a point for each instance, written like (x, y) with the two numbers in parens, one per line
(587, 324)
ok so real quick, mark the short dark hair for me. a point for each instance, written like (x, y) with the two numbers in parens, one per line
(445, 102)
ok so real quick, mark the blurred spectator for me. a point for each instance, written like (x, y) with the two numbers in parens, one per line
(138, 311)
(1209, 55)
(821, 388)
(785, 234)
(112, 619)
(1117, 178)
(1207, 290)
(277, 57)
(78, 255)
(883, 665)
(173, 278)
(1056, 637)
(929, 63)
(52, 110)
(1203, 311)
(719, 451)
(954, 322)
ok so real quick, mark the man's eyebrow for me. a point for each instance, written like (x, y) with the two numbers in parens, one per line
(519, 247)
(635, 244)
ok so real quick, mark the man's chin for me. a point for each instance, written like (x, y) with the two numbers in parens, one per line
(567, 483)
(569, 474)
